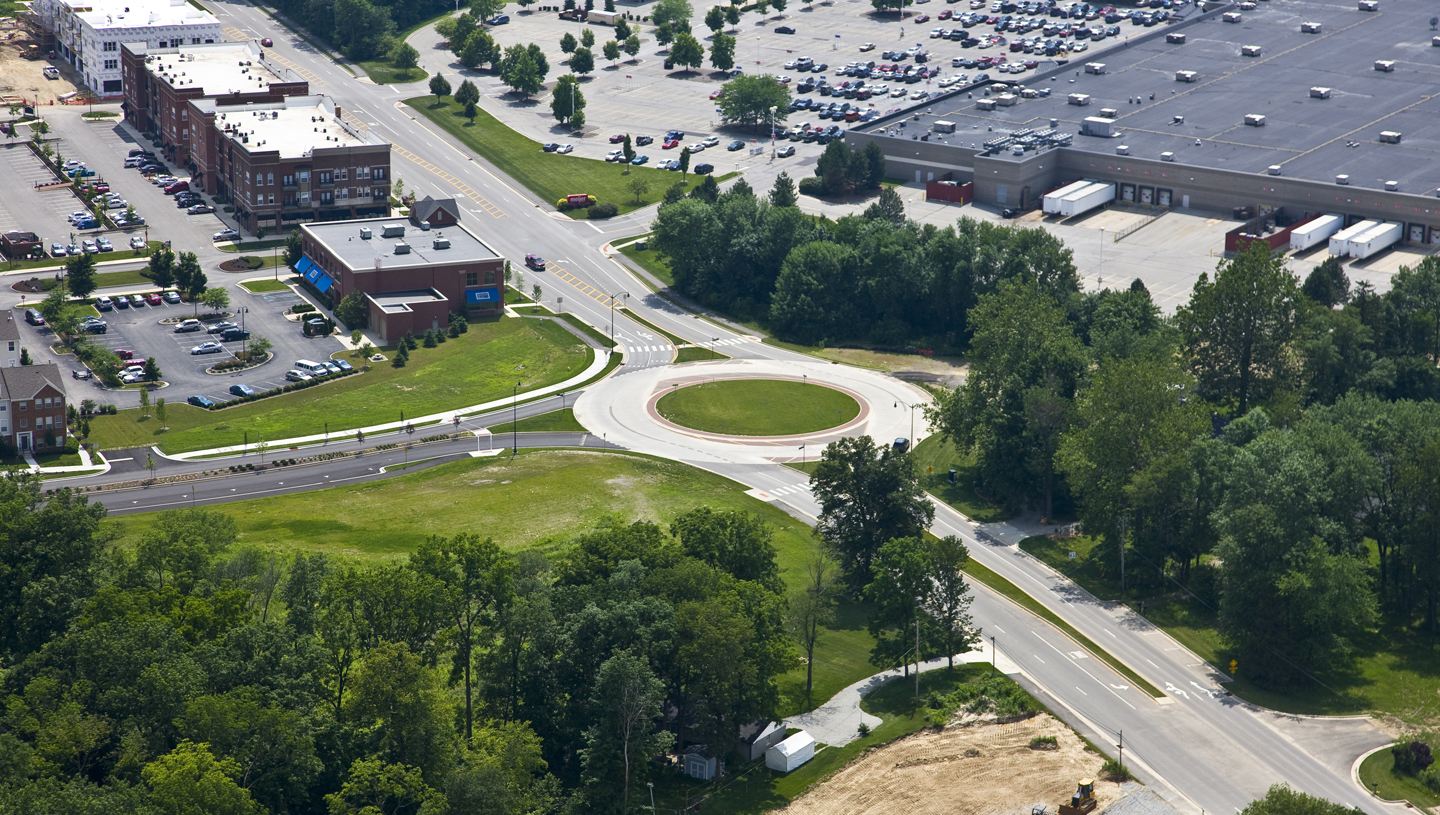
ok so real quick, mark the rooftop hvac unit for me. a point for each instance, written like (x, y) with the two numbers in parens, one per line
(392, 231)
(1309, 28)
(1006, 100)
(1435, 42)
(402, 248)
(944, 127)
(1029, 93)
(1250, 50)
(1017, 150)
(985, 104)
(1343, 180)
(1392, 186)
(1081, 99)
(1273, 169)
(1319, 93)
(1109, 113)
(1097, 126)
(1390, 136)
(1094, 67)
(1167, 156)
(1369, 5)
(365, 233)
(1254, 120)
(1386, 65)
(1122, 150)
(1186, 76)
(1175, 39)
(1231, 17)
(442, 243)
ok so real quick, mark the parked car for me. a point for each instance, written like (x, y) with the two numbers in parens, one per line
(34, 317)
(220, 328)
(234, 335)
(615, 155)
(57, 250)
(82, 373)
(187, 326)
(786, 152)
(200, 209)
(535, 262)
(105, 245)
(617, 138)
(672, 164)
(94, 325)
(137, 242)
(640, 160)
(735, 145)
(104, 303)
(677, 135)
(267, 42)
(121, 301)
(295, 375)
(703, 169)
(341, 364)
(243, 390)
(785, 29)
(210, 347)
(201, 401)
(499, 19)
(178, 186)
(171, 297)
(644, 140)
(565, 148)
(153, 298)
(124, 353)
(669, 144)
(869, 46)
(227, 235)
(89, 247)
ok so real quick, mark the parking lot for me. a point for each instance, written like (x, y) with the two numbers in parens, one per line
(139, 329)
(43, 212)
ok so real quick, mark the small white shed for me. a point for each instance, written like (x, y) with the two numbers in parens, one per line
(791, 753)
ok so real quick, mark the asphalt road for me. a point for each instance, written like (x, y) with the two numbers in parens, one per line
(1203, 751)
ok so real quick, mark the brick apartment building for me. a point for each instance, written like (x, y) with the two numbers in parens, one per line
(288, 162)
(412, 279)
(160, 82)
(32, 397)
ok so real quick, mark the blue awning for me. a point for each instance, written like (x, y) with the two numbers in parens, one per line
(324, 282)
(490, 296)
(314, 274)
(304, 265)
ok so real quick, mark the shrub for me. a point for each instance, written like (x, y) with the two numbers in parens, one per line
(1044, 743)
(1412, 758)
(605, 210)
(252, 262)
(1115, 771)
(863, 730)
(301, 308)
(812, 186)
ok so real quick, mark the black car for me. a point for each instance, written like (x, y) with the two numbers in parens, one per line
(234, 335)
(704, 169)
(201, 401)
(146, 169)
(549, 147)
(784, 29)
(735, 145)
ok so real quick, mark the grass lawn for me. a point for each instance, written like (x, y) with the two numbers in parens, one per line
(48, 458)
(246, 246)
(648, 260)
(548, 175)
(479, 366)
(538, 499)
(936, 457)
(588, 330)
(1380, 769)
(261, 286)
(556, 421)
(757, 407)
(382, 72)
(697, 355)
(755, 789)
(677, 340)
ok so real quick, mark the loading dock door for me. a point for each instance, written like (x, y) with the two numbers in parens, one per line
(1127, 192)
(1417, 233)
(1147, 195)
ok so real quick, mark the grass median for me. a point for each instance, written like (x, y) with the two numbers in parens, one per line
(478, 366)
(550, 175)
(556, 421)
(262, 286)
(757, 407)
(936, 457)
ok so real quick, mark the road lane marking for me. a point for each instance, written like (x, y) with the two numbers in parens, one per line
(467, 190)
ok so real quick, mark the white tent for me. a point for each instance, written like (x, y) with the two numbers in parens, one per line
(791, 753)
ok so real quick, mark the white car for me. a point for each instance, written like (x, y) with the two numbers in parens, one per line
(297, 375)
(917, 96)
(711, 141)
(116, 203)
(937, 33)
(89, 247)
(57, 250)
(615, 155)
(137, 242)
(565, 148)
(898, 93)
(695, 147)
(210, 347)
(132, 378)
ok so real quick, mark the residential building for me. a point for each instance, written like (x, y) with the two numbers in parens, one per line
(411, 282)
(32, 397)
(88, 33)
(159, 83)
(436, 212)
(288, 162)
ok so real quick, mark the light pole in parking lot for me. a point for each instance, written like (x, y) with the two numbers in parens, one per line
(772, 132)
(612, 314)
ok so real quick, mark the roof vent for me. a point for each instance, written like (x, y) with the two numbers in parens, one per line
(402, 248)
(1386, 65)
(365, 233)
(1250, 50)
(1167, 156)
(1319, 93)
(1369, 5)
(1343, 180)
(1392, 186)
(1309, 28)
(1122, 150)
(1273, 169)
(1175, 39)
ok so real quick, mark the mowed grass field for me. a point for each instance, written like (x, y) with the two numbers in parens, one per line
(550, 175)
(541, 498)
(478, 366)
(757, 407)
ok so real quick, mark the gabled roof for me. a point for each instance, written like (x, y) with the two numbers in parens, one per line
(25, 381)
(427, 206)
(9, 328)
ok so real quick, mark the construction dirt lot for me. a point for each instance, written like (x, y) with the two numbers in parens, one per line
(26, 77)
(980, 769)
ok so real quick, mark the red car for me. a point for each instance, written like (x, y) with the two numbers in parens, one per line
(669, 143)
(617, 138)
(124, 353)
(924, 18)
(717, 94)
(267, 42)
(153, 298)
(944, 15)
(100, 187)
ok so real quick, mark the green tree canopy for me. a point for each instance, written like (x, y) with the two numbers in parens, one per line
(867, 497)
(747, 100)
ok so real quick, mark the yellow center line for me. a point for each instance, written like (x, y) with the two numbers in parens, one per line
(467, 190)
(580, 285)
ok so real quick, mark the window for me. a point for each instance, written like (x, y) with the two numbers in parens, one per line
(472, 278)
(362, 172)
(343, 174)
(304, 176)
(344, 194)
(378, 173)
(324, 176)
(305, 197)
(24, 406)
(112, 64)
(12, 348)
(289, 180)
(194, 40)
(111, 46)
(247, 178)
(270, 179)
(489, 277)
(327, 197)
(49, 402)
(362, 192)
(272, 199)
(24, 423)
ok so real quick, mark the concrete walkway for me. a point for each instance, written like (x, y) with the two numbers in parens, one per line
(86, 466)
(837, 722)
(602, 358)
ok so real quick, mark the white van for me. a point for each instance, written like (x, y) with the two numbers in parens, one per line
(316, 369)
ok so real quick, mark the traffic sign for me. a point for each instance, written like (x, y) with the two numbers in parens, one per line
(1233, 666)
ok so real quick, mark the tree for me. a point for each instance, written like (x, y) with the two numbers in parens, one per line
(945, 607)
(1327, 283)
(684, 162)
(537, 56)
(664, 33)
(410, 720)
(404, 56)
(732, 15)
(867, 497)
(715, 19)
(160, 411)
(813, 299)
(80, 275)
(1280, 799)
(622, 29)
(377, 788)
(737, 543)
(783, 193)
(189, 780)
(671, 11)
(779, 6)
(582, 61)
(260, 347)
(182, 546)
(189, 276)
(439, 85)
(145, 402)
(888, 207)
(479, 49)
(568, 43)
(625, 704)
(632, 45)
(215, 299)
(465, 25)
(294, 249)
(748, 99)
(899, 579)
(1415, 293)
(687, 51)
(1236, 328)
(446, 26)
(522, 76)
(834, 168)
(467, 93)
(352, 311)
(811, 609)
(587, 38)
(638, 184)
(629, 149)
(612, 50)
(722, 51)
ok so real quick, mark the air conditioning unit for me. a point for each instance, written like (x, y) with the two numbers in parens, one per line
(442, 243)
(402, 248)
(1122, 150)
(365, 233)
(1254, 120)
(1175, 39)
(1231, 17)
(1167, 156)
(1385, 65)
(1343, 180)
(1390, 136)
(392, 231)
(1319, 93)
(1309, 28)
(1250, 50)
(1186, 76)
(1273, 169)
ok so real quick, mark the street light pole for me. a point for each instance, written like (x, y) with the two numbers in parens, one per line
(514, 420)
(772, 132)
(612, 313)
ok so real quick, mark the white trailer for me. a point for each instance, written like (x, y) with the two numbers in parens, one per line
(791, 753)
(1087, 198)
(606, 17)
(1051, 203)
(1316, 231)
(1340, 241)
(1376, 240)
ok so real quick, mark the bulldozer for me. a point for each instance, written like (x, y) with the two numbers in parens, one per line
(1083, 801)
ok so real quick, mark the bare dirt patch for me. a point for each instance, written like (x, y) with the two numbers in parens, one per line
(24, 77)
(980, 769)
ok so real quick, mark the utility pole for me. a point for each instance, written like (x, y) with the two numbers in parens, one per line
(514, 420)
(1122, 749)
(917, 658)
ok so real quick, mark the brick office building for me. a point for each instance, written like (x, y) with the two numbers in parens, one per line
(288, 162)
(32, 397)
(412, 279)
(160, 82)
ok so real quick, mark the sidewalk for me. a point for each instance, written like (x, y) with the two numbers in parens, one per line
(87, 466)
(602, 358)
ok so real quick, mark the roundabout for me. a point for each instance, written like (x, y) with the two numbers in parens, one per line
(755, 407)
